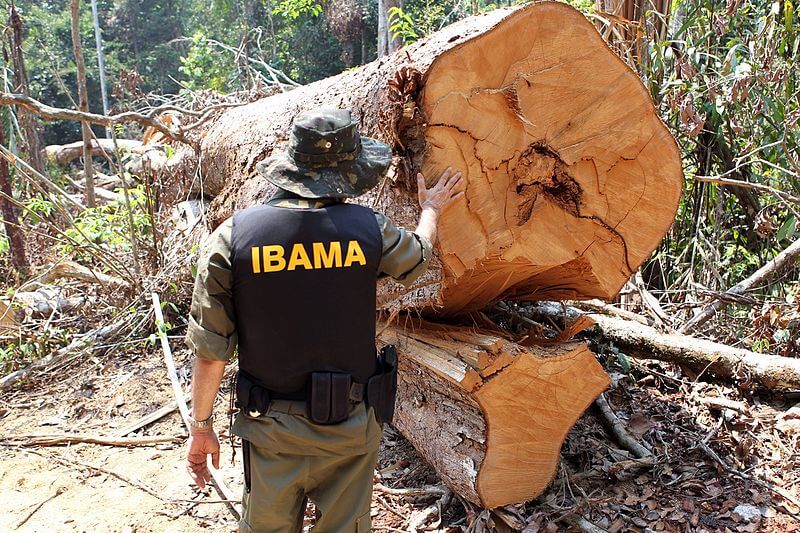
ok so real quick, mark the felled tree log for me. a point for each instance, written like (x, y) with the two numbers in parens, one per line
(571, 178)
(645, 342)
(65, 153)
(488, 414)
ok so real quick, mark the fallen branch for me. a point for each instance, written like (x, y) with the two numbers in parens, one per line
(28, 516)
(72, 270)
(70, 350)
(216, 477)
(132, 482)
(431, 490)
(149, 120)
(64, 153)
(149, 419)
(618, 429)
(600, 306)
(55, 440)
(782, 261)
(749, 185)
(644, 342)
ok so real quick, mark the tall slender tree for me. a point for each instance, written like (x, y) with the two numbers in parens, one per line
(16, 243)
(386, 43)
(100, 63)
(83, 101)
(27, 120)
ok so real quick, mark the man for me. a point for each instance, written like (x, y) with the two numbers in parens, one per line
(292, 283)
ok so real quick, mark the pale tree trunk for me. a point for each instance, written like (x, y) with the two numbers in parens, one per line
(16, 242)
(83, 101)
(100, 63)
(387, 44)
(28, 121)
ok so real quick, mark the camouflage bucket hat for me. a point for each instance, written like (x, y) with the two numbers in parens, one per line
(327, 158)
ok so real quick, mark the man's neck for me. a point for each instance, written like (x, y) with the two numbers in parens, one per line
(284, 198)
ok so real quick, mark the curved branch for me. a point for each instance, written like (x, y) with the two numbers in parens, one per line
(54, 113)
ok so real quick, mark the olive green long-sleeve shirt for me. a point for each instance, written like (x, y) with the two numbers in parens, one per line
(212, 328)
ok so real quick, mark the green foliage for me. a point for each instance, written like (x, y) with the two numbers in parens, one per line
(293, 9)
(727, 83)
(107, 225)
(4, 246)
(401, 26)
(36, 208)
(205, 66)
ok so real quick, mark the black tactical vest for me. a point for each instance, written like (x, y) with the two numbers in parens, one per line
(304, 293)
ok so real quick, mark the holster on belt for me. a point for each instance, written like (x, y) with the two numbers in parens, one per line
(251, 398)
(382, 387)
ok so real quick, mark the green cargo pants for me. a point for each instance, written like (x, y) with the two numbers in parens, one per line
(292, 459)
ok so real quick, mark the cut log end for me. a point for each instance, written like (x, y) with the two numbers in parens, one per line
(488, 414)
(572, 179)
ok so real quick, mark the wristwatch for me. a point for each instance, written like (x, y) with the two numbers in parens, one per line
(201, 424)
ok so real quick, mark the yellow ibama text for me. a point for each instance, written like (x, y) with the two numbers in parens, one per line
(273, 257)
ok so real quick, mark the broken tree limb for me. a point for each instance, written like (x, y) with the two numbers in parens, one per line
(618, 429)
(73, 270)
(645, 342)
(65, 153)
(782, 262)
(571, 178)
(148, 419)
(489, 415)
(147, 120)
(56, 440)
(216, 477)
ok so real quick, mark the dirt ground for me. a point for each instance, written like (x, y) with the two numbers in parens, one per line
(90, 487)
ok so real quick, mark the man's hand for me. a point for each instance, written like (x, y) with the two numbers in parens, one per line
(448, 187)
(202, 443)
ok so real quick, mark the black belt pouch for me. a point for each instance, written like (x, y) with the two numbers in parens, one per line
(330, 397)
(382, 387)
(251, 398)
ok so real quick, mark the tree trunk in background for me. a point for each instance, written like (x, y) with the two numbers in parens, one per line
(387, 44)
(83, 101)
(98, 37)
(28, 121)
(16, 242)
(571, 178)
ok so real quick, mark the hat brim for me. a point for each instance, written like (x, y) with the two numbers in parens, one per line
(346, 179)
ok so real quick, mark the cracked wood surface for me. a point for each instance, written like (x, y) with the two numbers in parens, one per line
(488, 414)
(571, 178)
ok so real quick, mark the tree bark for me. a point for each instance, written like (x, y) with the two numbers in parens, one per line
(83, 100)
(98, 37)
(65, 153)
(386, 43)
(28, 121)
(571, 177)
(645, 342)
(489, 415)
(16, 241)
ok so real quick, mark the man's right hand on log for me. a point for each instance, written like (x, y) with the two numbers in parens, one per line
(447, 188)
